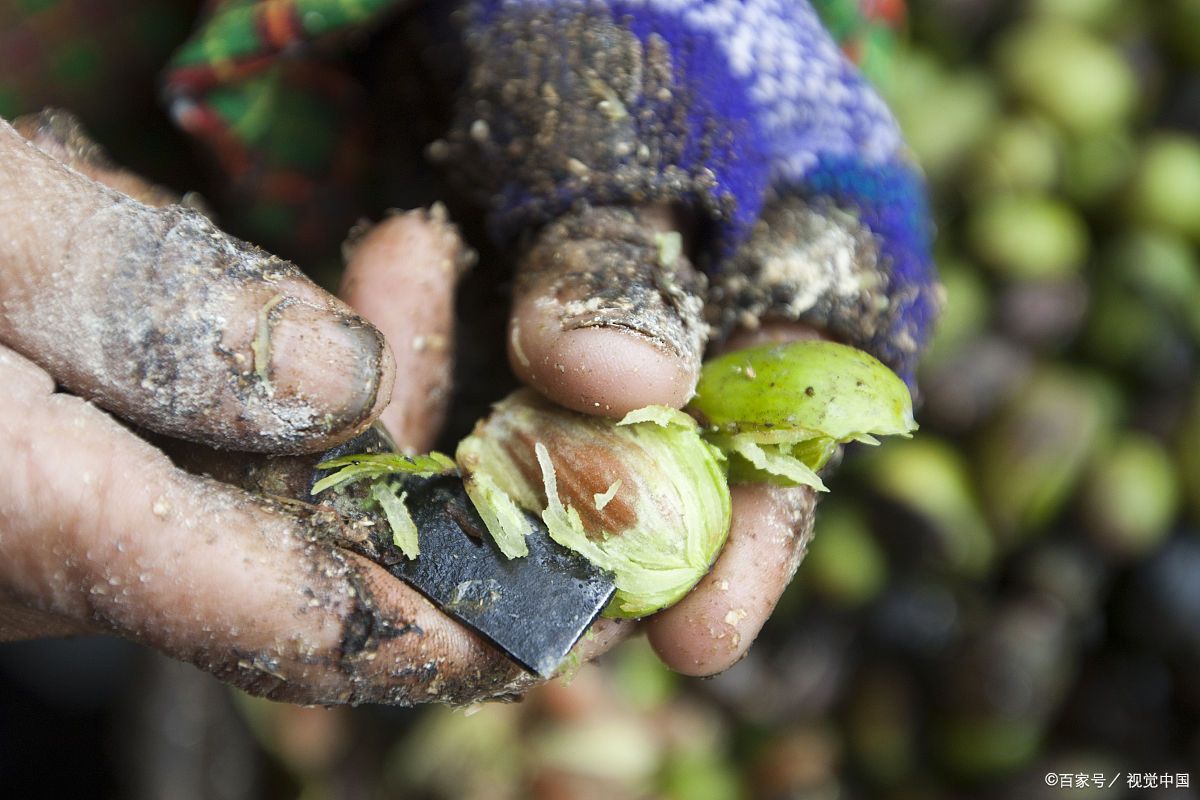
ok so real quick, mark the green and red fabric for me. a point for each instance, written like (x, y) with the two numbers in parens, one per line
(284, 123)
(867, 31)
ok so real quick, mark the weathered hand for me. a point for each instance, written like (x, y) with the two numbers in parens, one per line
(671, 167)
(153, 314)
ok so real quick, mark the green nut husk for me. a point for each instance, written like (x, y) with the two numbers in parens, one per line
(1083, 82)
(644, 498)
(1029, 236)
(1033, 456)
(845, 562)
(1166, 189)
(778, 412)
(1131, 495)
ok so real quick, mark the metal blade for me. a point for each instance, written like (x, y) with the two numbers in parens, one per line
(533, 608)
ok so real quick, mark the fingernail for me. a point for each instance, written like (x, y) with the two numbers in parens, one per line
(608, 313)
(330, 363)
(609, 268)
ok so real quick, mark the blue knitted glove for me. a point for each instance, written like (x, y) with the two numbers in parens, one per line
(743, 113)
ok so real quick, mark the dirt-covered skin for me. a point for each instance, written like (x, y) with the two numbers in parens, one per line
(242, 587)
(59, 134)
(379, 269)
(100, 532)
(714, 625)
(123, 542)
(804, 262)
(158, 316)
(607, 313)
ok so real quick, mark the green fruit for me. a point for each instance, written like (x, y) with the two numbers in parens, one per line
(1166, 189)
(822, 387)
(1131, 495)
(641, 677)
(967, 108)
(1023, 154)
(1029, 237)
(1098, 165)
(1079, 80)
(1125, 332)
(844, 563)
(930, 477)
(1033, 456)
(1162, 270)
(645, 498)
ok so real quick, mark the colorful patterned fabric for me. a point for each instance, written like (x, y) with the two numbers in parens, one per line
(761, 102)
(286, 130)
(287, 135)
(866, 31)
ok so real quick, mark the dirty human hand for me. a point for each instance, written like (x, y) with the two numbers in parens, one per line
(670, 169)
(149, 312)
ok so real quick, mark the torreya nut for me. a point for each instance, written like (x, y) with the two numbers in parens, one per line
(779, 412)
(644, 498)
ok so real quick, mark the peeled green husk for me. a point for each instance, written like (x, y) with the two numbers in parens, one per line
(658, 531)
(780, 411)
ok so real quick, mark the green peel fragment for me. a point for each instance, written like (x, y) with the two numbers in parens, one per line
(372, 466)
(500, 514)
(404, 530)
(779, 412)
(775, 460)
(663, 416)
(378, 468)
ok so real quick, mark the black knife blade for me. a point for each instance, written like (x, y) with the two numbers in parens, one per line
(533, 608)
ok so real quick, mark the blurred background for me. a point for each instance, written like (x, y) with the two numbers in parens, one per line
(1013, 593)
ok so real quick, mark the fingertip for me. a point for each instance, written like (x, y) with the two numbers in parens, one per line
(401, 275)
(329, 359)
(606, 371)
(711, 629)
(387, 380)
(608, 313)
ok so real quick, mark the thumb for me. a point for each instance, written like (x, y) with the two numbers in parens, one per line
(160, 317)
(607, 312)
